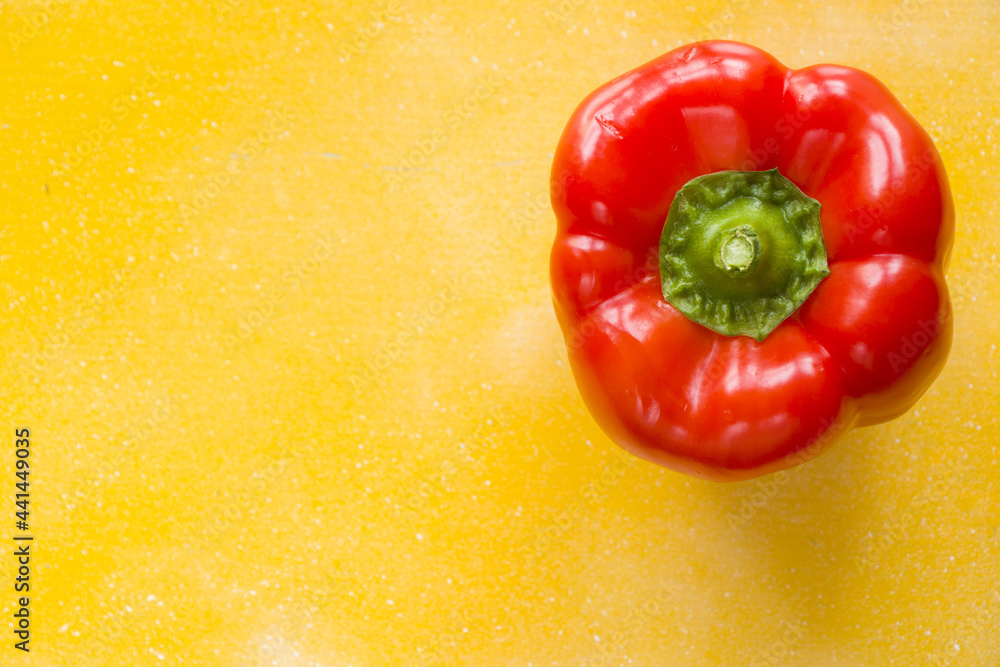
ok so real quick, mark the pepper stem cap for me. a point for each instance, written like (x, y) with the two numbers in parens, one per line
(740, 251)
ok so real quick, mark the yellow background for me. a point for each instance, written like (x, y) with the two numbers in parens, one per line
(276, 311)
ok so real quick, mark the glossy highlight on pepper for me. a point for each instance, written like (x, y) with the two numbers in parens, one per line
(868, 340)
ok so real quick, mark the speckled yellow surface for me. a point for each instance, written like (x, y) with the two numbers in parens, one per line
(276, 312)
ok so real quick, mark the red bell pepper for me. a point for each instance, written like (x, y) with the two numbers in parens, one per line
(749, 258)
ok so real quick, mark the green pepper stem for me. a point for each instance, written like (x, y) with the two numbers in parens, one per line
(741, 250)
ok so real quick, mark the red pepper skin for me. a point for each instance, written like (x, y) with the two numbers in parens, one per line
(862, 349)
